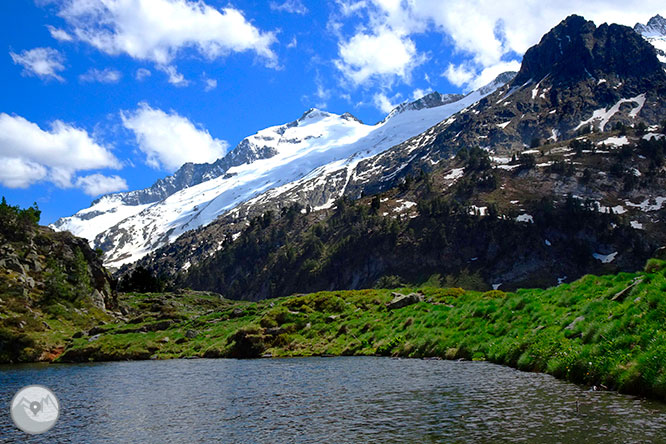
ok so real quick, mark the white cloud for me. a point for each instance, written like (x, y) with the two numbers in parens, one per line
(211, 84)
(458, 75)
(60, 34)
(96, 184)
(142, 73)
(106, 75)
(170, 140)
(350, 7)
(175, 78)
(489, 74)
(44, 63)
(384, 55)
(157, 30)
(20, 173)
(418, 93)
(383, 103)
(30, 154)
(290, 6)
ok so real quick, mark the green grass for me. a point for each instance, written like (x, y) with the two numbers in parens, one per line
(591, 331)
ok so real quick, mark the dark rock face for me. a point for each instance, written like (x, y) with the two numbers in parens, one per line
(576, 49)
(32, 257)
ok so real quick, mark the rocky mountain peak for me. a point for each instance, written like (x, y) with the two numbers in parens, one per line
(431, 100)
(313, 113)
(351, 117)
(656, 27)
(576, 49)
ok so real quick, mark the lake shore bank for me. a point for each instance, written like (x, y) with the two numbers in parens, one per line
(604, 331)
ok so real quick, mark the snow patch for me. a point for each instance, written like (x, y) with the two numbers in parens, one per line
(650, 136)
(647, 204)
(481, 211)
(615, 141)
(526, 218)
(507, 167)
(406, 205)
(602, 116)
(455, 174)
(605, 258)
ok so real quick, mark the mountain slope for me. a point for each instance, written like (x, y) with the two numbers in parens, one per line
(580, 79)
(655, 33)
(129, 225)
(566, 85)
(51, 285)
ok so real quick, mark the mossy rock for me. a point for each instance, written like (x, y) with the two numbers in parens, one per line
(655, 265)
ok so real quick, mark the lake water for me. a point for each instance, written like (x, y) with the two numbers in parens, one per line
(324, 400)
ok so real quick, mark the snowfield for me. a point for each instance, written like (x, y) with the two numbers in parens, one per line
(311, 150)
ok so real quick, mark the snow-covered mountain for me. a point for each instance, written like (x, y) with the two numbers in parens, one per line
(655, 33)
(582, 84)
(286, 163)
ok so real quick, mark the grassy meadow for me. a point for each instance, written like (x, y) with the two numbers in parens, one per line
(607, 331)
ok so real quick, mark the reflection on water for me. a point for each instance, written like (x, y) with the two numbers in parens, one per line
(317, 400)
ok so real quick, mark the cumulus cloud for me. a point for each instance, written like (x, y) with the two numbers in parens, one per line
(30, 154)
(106, 75)
(157, 30)
(20, 173)
(458, 75)
(44, 63)
(175, 78)
(489, 35)
(211, 84)
(383, 103)
(170, 140)
(383, 54)
(290, 6)
(96, 184)
(142, 73)
(489, 73)
(60, 34)
(418, 93)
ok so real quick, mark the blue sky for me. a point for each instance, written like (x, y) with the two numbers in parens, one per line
(110, 95)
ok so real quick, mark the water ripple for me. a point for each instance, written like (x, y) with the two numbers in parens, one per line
(332, 400)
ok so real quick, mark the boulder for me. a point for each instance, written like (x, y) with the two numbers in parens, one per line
(401, 300)
(189, 334)
(96, 330)
(660, 254)
(98, 300)
(237, 313)
(274, 331)
(12, 263)
(575, 321)
(30, 282)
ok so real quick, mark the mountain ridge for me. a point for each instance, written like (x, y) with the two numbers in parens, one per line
(108, 223)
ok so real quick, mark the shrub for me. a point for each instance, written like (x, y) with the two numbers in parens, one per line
(655, 265)
(391, 281)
